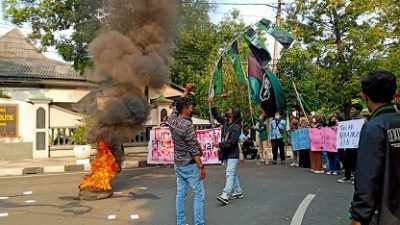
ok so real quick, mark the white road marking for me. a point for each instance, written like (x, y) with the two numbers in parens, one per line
(30, 201)
(112, 217)
(27, 192)
(4, 198)
(3, 214)
(301, 210)
(134, 216)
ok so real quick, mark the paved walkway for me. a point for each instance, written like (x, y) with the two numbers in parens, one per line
(51, 165)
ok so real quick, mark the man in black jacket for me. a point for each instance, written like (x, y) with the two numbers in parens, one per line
(229, 145)
(377, 178)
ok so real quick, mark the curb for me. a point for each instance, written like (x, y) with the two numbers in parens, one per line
(19, 171)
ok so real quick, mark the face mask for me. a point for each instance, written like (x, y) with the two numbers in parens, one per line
(295, 124)
(277, 117)
(332, 123)
(314, 120)
(352, 113)
(227, 114)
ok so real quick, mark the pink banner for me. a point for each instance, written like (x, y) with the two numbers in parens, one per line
(161, 146)
(323, 139)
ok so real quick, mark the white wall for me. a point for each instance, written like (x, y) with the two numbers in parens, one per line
(58, 95)
(26, 121)
(167, 91)
(60, 117)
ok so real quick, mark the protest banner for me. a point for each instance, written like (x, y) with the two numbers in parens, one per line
(161, 146)
(348, 133)
(323, 139)
(300, 139)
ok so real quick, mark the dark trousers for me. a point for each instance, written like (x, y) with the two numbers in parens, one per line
(341, 156)
(334, 163)
(278, 143)
(349, 160)
(304, 158)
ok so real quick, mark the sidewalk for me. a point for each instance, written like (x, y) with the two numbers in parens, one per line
(52, 165)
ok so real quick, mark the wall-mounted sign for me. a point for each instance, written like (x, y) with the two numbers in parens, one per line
(8, 120)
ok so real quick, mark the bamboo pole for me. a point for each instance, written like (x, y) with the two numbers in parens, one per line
(298, 99)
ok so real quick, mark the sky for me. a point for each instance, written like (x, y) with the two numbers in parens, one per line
(249, 13)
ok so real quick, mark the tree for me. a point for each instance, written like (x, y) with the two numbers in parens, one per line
(197, 41)
(2, 95)
(47, 17)
(236, 94)
(343, 40)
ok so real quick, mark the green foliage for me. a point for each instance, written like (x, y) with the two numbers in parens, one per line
(340, 42)
(2, 95)
(79, 135)
(49, 16)
(197, 42)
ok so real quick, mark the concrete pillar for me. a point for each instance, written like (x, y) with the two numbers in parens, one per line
(163, 107)
(41, 127)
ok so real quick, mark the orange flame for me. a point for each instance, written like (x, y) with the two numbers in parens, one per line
(104, 169)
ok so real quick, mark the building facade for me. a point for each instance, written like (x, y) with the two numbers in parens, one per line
(38, 103)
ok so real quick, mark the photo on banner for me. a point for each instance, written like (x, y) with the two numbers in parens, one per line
(161, 146)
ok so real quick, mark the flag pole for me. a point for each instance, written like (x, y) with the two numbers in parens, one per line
(248, 93)
(298, 99)
(211, 93)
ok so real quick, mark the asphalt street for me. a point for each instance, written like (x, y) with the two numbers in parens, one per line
(146, 196)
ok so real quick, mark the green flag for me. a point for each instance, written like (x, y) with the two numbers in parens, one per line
(265, 89)
(234, 57)
(275, 89)
(217, 82)
(257, 47)
(305, 105)
(279, 33)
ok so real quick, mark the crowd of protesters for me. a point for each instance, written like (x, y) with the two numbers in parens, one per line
(343, 162)
(375, 178)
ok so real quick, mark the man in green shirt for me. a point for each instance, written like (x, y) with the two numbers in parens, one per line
(262, 138)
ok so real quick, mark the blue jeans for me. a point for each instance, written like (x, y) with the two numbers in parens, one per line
(232, 184)
(325, 160)
(334, 162)
(189, 176)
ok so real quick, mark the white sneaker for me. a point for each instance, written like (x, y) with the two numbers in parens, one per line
(344, 180)
(293, 164)
(236, 195)
(223, 199)
(336, 173)
(319, 171)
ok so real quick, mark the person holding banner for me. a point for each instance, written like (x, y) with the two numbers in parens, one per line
(304, 154)
(229, 146)
(294, 125)
(276, 134)
(377, 176)
(350, 154)
(316, 156)
(333, 157)
(189, 168)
